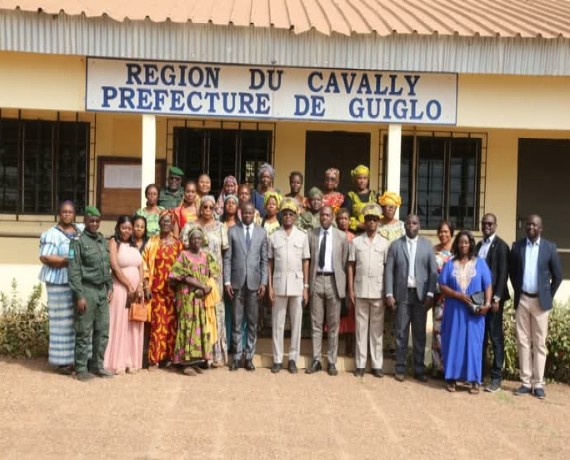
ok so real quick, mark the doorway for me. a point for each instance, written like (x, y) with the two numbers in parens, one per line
(334, 149)
(542, 189)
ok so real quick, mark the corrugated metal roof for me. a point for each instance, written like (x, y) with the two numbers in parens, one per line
(78, 35)
(504, 18)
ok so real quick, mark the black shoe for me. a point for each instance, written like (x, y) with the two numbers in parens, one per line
(400, 377)
(249, 365)
(103, 373)
(315, 367)
(359, 372)
(493, 387)
(539, 393)
(522, 390)
(276, 368)
(234, 366)
(292, 367)
(377, 373)
(331, 369)
(421, 378)
(85, 376)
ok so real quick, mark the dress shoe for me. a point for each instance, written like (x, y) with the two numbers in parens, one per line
(359, 372)
(522, 390)
(103, 373)
(377, 373)
(292, 367)
(315, 367)
(276, 368)
(331, 369)
(421, 378)
(400, 377)
(539, 393)
(234, 366)
(85, 376)
(249, 365)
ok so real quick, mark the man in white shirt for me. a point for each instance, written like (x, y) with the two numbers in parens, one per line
(288, 282)
(329, 255)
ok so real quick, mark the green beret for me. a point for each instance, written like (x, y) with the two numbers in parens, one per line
(175, 171)
(92, 211)
(314, 192)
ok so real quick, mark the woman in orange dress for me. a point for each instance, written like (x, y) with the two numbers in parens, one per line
(188, 209)
(159, 255)
(331, 197)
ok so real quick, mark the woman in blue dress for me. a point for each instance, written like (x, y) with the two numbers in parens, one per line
(54, 254)
(462, 332)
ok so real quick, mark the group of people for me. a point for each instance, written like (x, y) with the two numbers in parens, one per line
(206, 267)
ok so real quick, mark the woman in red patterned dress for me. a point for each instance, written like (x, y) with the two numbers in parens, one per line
(159, 255)
(331, 197)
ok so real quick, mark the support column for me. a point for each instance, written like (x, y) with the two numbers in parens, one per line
(394, 159)
(148, 153)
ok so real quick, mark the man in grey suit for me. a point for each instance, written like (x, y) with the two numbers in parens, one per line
(410, 281)
(245, 279)
(327, 280)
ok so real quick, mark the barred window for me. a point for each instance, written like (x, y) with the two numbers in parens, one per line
(41, 164)
(441, 178)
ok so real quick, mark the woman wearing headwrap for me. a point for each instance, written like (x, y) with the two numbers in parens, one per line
(310, 219)
(390, 228)
(228, 188)
(54, 254)
(197, 294)
(356, 199)
(158, 256)
(215, 241)
(271, 204)
(265, 176)
(331, 197)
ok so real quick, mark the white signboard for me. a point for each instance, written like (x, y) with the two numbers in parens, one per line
(122, 176)
(270, 93)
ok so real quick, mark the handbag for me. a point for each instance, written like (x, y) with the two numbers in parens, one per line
(138, 312)
(477, 302)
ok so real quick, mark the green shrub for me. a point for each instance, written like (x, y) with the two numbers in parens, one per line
(558, 342)
(24, 328)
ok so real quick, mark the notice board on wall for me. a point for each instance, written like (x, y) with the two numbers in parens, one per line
(119, 184)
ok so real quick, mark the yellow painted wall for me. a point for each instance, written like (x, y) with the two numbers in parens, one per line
(39, 81)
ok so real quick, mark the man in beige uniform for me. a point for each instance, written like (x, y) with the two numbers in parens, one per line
(288, 289)
(366, 262)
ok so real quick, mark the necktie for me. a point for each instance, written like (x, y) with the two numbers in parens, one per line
(247, 237)
(323, 250)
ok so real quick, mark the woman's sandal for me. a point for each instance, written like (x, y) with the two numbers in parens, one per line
(450, 386)
(474, 390)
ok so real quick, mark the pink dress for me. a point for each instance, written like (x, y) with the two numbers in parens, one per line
(125, 347)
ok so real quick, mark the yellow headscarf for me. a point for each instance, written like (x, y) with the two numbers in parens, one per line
(390, 199)
(272, 194)
(359, 171)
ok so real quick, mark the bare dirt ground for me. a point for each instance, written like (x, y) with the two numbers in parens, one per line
(260, 415)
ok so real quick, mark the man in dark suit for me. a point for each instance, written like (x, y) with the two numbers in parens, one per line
(495, 252)
(536, 274)
(410, 280)
(245, 279)
(327, 280)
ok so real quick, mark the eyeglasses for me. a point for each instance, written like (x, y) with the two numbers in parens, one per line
(207, 206)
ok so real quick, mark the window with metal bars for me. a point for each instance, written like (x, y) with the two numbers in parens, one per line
(440, 178)
(221, 152)
(41, 164)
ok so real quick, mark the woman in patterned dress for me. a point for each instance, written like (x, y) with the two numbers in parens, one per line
(152, 211)
(54, 254)
(215, 240)
(229, 188)
(442, 254)
(188, 209)
(159, 255)
(391, 228)
(194, 271)
(331, 197)
(271, 221)
(356, 199)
